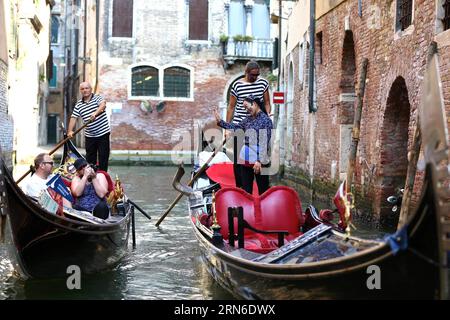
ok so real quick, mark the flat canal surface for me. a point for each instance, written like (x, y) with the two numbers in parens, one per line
(165, 265)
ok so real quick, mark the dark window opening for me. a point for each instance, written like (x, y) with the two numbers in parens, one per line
(319, 53)
(54, 29)
(177, 82)
(122, 25)
(144, 81)
(404, 14)
(198, 19)
(446, 19)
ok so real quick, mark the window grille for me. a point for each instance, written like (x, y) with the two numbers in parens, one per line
(177, 82)
(404, 13)
(144, 81)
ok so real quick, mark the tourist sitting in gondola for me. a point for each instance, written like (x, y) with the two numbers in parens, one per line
(38, 182)
(90, 189)
(254, 154)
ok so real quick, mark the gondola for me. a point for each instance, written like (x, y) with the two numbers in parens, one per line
(267, 247)
(45, 244)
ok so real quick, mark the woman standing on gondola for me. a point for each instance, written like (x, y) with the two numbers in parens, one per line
(254, 154)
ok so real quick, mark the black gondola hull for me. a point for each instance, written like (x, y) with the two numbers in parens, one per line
(44, 244)
(412, 273)
(397, 281)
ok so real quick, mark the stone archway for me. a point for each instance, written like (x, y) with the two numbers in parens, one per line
(347, 83)
(393, 162)
(347, 97)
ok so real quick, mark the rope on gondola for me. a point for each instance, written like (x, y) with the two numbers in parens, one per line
(427, 259)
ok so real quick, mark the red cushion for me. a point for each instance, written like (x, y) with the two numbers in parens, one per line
(223, 174)
(108, 179)
(279, 208)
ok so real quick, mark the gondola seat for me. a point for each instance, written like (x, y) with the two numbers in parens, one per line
(279, 208)
(68, 182)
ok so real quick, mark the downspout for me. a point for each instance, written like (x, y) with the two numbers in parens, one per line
(312, 52)
(277, 109)
(97, 34)
(85, 39)
(65, 91)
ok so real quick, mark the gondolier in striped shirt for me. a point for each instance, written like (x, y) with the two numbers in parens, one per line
(92, 107)
(251, 85)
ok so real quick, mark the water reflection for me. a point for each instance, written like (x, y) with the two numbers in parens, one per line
(166, 263)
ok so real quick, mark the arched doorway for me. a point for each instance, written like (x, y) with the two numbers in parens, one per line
(347, 83)
(347, 97)
(394, 150)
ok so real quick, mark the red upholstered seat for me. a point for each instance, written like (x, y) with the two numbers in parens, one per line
(109, 180)
(279, 208)
(223, 174)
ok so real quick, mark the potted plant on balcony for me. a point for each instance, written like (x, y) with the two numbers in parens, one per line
(238, 38)
(224, 42)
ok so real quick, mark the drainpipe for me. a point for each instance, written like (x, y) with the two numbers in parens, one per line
(97, 35)
(85, 39)
(312, 51)
(277, 109)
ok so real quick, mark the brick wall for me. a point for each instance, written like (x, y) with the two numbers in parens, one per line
(6, 124)
(160, 34)
(391, 57)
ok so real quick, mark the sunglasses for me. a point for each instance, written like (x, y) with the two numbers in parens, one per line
(48, 162)
(250, 99)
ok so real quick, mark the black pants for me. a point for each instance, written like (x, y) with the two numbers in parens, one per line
(248, 175)
(236, 166)
(100, 146)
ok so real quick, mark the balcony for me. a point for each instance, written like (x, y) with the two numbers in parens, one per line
(258, 49)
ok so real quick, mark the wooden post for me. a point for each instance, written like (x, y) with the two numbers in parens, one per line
(356, 124)
(413, 157)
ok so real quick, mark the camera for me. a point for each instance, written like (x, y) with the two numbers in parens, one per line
(95, 168)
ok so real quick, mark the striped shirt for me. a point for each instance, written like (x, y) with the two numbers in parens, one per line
(100, 126)
(241, 90)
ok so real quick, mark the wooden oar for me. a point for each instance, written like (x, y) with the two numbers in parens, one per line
(56, 148)
(191, 182)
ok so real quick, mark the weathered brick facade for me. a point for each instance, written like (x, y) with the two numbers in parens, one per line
(6, 123)
(396, 67)
(160, 33)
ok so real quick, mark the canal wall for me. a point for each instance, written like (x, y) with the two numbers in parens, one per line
(318, 142)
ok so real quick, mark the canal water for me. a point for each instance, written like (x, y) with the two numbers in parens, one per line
(165, 265)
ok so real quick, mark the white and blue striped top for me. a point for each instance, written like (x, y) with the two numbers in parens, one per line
(100, 126)
(241, 90)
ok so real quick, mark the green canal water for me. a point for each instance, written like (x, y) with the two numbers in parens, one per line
(166, 263)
